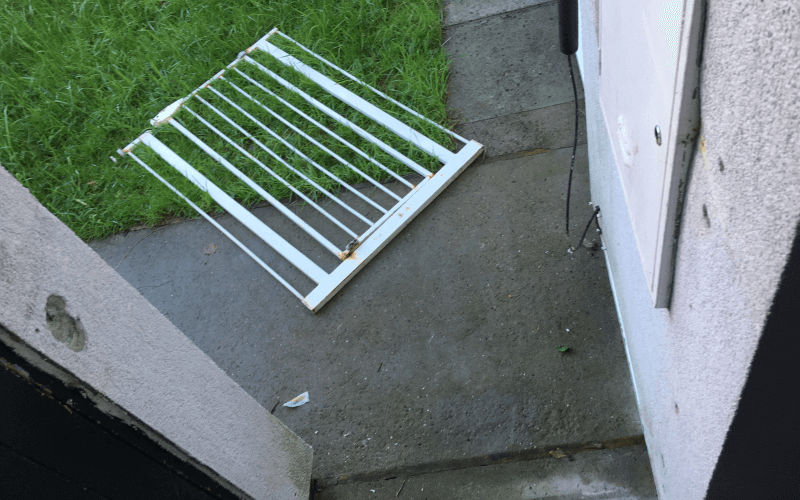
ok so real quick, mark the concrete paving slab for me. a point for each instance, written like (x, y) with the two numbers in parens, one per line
(619, 474)
(506, 64)
(552, 127)
(442, 348)
(461, 11)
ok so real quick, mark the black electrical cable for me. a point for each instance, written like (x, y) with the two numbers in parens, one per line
(594, 218)
(575, 143)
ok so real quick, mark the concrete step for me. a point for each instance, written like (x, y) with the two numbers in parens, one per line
(618, 474)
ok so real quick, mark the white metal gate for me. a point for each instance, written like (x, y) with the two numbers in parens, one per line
(366, 223)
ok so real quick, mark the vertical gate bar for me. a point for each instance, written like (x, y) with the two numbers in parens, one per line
(367, 109)
(326, 129)
(272, 173)
(313, 141)
(284, 163)
(222, 229)
(344, 121)
(270, 237)
(297, 151)
(258, 189)
(348, 75)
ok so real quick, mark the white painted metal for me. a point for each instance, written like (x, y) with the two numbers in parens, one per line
(302, 155)
(341, 93)
(391, 212)
(341, 119)
(373, 89)
(648, 79)
(258, 189)
(315, 142)
(216, 225)
(364, 245)
(271, 172)
(270, 237)
(401, 217)
(326, 129)
(278, 158)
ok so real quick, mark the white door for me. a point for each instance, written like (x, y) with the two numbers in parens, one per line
(649, 66)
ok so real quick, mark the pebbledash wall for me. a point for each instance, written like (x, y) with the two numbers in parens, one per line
(133, 363)
(690, 362)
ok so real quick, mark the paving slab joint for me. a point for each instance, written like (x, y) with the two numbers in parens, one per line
(483, 18)
(514, 156)
(562, 451)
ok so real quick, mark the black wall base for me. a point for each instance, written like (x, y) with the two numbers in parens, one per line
(761, 455)
(54, 443)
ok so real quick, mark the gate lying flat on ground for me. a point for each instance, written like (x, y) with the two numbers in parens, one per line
(368, 224)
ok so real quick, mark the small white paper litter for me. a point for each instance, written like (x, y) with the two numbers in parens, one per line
(298, 401)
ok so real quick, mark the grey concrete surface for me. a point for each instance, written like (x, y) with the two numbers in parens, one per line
(552, 127)
(442, 348)
(741, 210)
(71, 315)
(619, 474)
(506, 64)
(461, 11)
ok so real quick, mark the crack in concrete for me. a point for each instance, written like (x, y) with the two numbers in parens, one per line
(483, 18)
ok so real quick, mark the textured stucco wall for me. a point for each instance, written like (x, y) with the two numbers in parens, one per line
(135, 357)
(690, 362)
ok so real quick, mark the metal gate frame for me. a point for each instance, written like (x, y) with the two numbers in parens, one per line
(364, 246)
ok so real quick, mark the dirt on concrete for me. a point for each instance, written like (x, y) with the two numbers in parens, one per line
(619, 474)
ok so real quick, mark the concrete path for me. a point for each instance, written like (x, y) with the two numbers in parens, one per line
(442, 353)
(509, 84)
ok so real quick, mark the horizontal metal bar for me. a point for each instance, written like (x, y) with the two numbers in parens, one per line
(348, 75)
(282, 161)
(222, 229)
(393, 225)
(313, 141)
(258, 189)
(270, 237)
(325, 129)
(341, 119)
(301, 155)
(401, 129)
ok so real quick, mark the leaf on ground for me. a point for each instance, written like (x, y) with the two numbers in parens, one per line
(210, 248)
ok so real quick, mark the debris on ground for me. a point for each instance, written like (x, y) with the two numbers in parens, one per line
(298, 401)
(558, 453)
(401, 488)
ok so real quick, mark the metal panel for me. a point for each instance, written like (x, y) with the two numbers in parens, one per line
(648, 93)
(364, 236)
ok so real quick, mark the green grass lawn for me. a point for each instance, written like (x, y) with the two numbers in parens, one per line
(79, 80)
